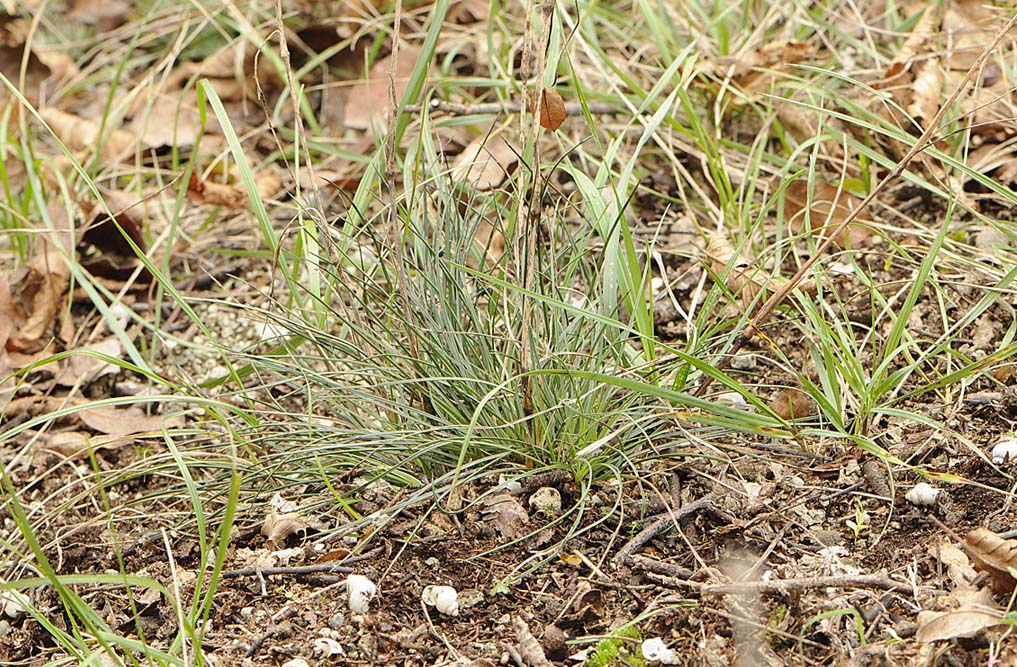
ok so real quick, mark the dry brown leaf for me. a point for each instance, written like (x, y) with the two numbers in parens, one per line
(485, 163)
(508, 515)
(104, 250)
(82, 370)
(992, 554)
(914, 61)
(958, 567)
(926, 92)
(747, 68)
(309, 179)
(969, 611)
(268, 182)
(80, 134)
(278, 527)
(830, 206)
(789, 404)
(44, 68)
(529, 648)
(8, 384)
(37, 295)
(490, 242)
(805, 123)
(740, 273)
(167, 113)
(7, 315)
(123, 422)
(77, 444)
(215, 194)
(552, 109)
(367, 107)
(104, 14)
(968, 27)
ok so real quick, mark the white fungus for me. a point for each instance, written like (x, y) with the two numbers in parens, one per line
(360, 591)
(443, 598)
(922, 494)
(656, 650)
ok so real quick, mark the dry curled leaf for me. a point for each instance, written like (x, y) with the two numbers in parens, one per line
(76, 445)
(104, 245)
(83, 369)
(914, 80)
(104, 14)
(278, 527)
(42, 67)
(508, 516)
(756, 69)
(368, 99)
(789, 404)
(965, 612)
(740, 274)
(485, 163)
(995, 555)
(828, 207)
(958, 567)
(215, 194)
(552, 109)
(37, 294)
(125, 421)
(529, 648)
(80, 134)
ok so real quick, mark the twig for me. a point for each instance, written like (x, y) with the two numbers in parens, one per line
(295, 570)
(514, 106)
(660, 567)
(806, 583)
(660, 525)
(758, 319)
(528, 211)
(786, 585)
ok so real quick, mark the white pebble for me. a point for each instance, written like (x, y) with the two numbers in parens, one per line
(546, 499)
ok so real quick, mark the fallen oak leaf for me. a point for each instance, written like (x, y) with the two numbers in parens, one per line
(508, 515)
(790, 404)
(748, 69)
(368, 99)
(485, 163)
(41, 66)
(75, 445)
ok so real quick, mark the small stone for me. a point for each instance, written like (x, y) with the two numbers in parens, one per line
(990, 239)
(336, 620)
(546, 499)
(744, 362)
